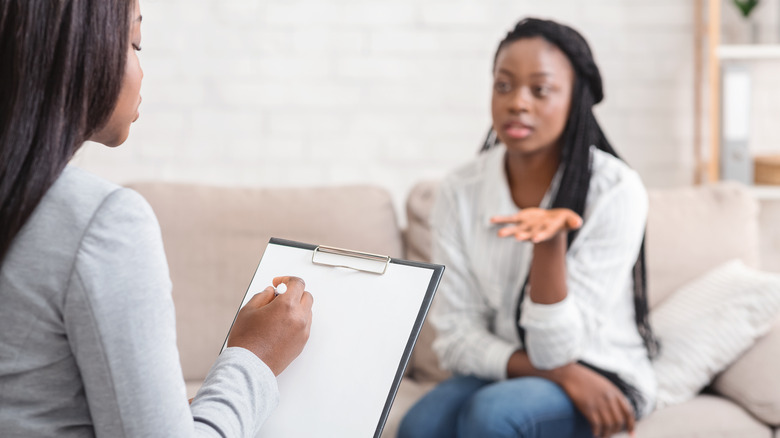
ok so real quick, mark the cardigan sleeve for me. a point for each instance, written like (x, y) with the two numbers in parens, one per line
(599, 269)
(464, 343)
(120, 323)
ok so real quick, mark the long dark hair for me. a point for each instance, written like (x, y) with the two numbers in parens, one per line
(581, 132)
(61, 68)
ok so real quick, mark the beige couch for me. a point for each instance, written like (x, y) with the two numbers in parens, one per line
(215, 236)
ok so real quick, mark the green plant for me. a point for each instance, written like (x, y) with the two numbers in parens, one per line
(746, 6)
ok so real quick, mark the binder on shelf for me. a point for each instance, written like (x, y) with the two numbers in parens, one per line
(736, 160)
(367, 315)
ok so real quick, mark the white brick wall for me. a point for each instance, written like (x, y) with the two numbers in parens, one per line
(304, 92)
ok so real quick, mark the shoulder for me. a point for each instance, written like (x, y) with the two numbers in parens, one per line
(78, 207)
(469, 178)
(612, 178)
(616, 207)
(78, 197)
(76, 202)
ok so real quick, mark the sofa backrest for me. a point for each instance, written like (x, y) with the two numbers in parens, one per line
(214, 238)
(692, 230)
(689, 231)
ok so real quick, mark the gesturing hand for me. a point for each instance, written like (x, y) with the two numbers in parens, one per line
(538, 224)
(599, 400)
(275, 329)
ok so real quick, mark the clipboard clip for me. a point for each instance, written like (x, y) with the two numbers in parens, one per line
(359, 261)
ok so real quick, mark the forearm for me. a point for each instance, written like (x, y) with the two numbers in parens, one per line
(547, 276)
(464, 347)
(520, 365)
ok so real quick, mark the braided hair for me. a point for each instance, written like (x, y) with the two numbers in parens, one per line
(581, 132)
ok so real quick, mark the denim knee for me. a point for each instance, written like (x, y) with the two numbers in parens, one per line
(415, 425)
(435, 415)
(527, 407)
(486, 415)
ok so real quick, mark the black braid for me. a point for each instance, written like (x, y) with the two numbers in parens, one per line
(581, 132)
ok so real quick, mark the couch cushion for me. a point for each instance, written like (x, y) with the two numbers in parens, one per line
(417, 236)
(708, 324)
(704, 416)
(192, 387)
(214, 238)
(769, 217)
(753, 381)
(694, 229)
(424, 365)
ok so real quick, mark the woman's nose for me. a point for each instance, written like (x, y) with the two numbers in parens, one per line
(521, 100)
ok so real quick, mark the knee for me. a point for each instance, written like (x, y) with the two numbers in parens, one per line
(488, 415)
(506, 409)
(420, 422)
(412, 425)
(435, 414)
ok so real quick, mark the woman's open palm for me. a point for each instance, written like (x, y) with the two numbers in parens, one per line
(538, 224)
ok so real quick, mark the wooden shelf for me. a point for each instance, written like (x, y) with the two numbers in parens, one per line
(709, 57)
(748, 51)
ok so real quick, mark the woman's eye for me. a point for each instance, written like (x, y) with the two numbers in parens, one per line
(502, 87)
(541, 91)
(136, 47)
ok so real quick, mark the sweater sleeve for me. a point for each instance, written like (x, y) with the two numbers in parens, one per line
(599, 267)
(120, 323)
(461, 316)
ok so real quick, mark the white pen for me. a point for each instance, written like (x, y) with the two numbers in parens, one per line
(282, 288)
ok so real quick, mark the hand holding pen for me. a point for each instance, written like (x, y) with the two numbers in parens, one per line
(275, 323)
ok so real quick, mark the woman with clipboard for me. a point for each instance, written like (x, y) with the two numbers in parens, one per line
(87, 330)
(542, 315)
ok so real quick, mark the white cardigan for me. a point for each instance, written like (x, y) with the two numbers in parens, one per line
(474, 313)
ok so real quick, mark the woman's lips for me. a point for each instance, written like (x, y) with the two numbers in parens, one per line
(517, 130)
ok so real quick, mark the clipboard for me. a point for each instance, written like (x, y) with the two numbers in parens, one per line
(367, 314)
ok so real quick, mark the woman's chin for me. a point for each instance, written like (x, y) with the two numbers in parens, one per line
(523, 146)
(116, 140)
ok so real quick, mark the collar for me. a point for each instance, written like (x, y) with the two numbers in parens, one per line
(496, 195)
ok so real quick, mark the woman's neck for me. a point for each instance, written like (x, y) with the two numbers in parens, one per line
(530, 175)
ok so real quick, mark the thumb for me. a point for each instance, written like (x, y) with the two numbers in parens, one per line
(261, 299)
(574, 221)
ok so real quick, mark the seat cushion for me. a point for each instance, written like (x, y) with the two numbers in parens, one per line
(753, 381)
(214, 238)
(705, 416)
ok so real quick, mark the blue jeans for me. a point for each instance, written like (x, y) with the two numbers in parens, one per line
(468, 407)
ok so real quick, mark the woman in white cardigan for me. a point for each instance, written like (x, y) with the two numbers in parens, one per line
(87, 329)
(542, 314)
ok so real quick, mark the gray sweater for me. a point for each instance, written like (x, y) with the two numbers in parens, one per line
(87, 329)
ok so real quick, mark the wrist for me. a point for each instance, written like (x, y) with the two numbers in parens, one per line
(563, 375)
(554, 243)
